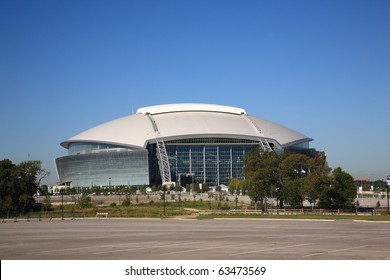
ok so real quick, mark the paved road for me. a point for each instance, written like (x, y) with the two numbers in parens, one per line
(111, 239)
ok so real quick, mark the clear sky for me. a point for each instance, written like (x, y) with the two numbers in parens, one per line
(319, 67)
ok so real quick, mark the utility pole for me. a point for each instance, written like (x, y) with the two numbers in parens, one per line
(387, 193)
(164, 200)
(62, 204)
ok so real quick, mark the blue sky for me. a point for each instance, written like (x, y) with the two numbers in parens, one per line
(319, 67)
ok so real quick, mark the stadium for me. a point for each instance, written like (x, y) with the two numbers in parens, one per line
(171, 144)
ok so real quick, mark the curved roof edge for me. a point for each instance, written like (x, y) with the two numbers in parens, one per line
(190, 107)
(297, 142)
(66, 144)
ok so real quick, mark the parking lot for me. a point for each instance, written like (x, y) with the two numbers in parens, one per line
(165, 239)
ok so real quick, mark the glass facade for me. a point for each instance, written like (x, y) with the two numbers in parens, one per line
(211, 161)
(113, 168)
(86, 148)
(207, 160)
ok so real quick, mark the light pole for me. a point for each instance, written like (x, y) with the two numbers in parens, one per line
(387, 192)
(62, 204)
(164, 199)
(179, 199)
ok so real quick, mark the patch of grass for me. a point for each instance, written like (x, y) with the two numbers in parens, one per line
(155, 209)
(299, 217)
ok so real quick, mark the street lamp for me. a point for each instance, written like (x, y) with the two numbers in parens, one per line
(62, 204)
(387, 192)
(164, 200)
(180, 196)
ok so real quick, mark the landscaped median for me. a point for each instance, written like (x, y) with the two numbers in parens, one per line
(201, 209)
(299, 214)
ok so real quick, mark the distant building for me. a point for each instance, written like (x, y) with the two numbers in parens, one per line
(361, 184)
(176, 143)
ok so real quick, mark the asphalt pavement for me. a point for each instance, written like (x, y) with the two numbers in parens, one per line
(165, 239)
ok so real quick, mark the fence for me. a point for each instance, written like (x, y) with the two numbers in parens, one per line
(99, 212)
(314, 211)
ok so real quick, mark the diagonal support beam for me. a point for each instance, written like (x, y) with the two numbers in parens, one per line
(163, 161)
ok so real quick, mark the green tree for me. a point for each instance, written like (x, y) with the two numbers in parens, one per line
(43, 190)
(261, 169)
(341, 193)
(303, 178)
(317, 179)
(85, 201)
(294, 169)
(237, 186)
(46, 203)
(18, 184)
(127, 200)
(7, 183)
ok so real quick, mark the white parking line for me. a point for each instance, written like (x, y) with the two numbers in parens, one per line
(334, 251)
(367, 221)
(206, 249)
(148, 247)
(270, 249)
(92, 247)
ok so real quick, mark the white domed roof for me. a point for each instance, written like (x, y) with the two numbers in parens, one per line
(181, 121)
(190, 107)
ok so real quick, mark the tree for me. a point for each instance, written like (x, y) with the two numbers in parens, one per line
(43, 190)
(261, 169)
(18, 184)
(85, 201)
(317, 179)
(7, 190)
(238, 187)
(294, 169)
(46, 203)
(127, 200)
(341, 193)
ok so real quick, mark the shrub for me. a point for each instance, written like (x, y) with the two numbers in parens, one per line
(126, 202)
(85, 201)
